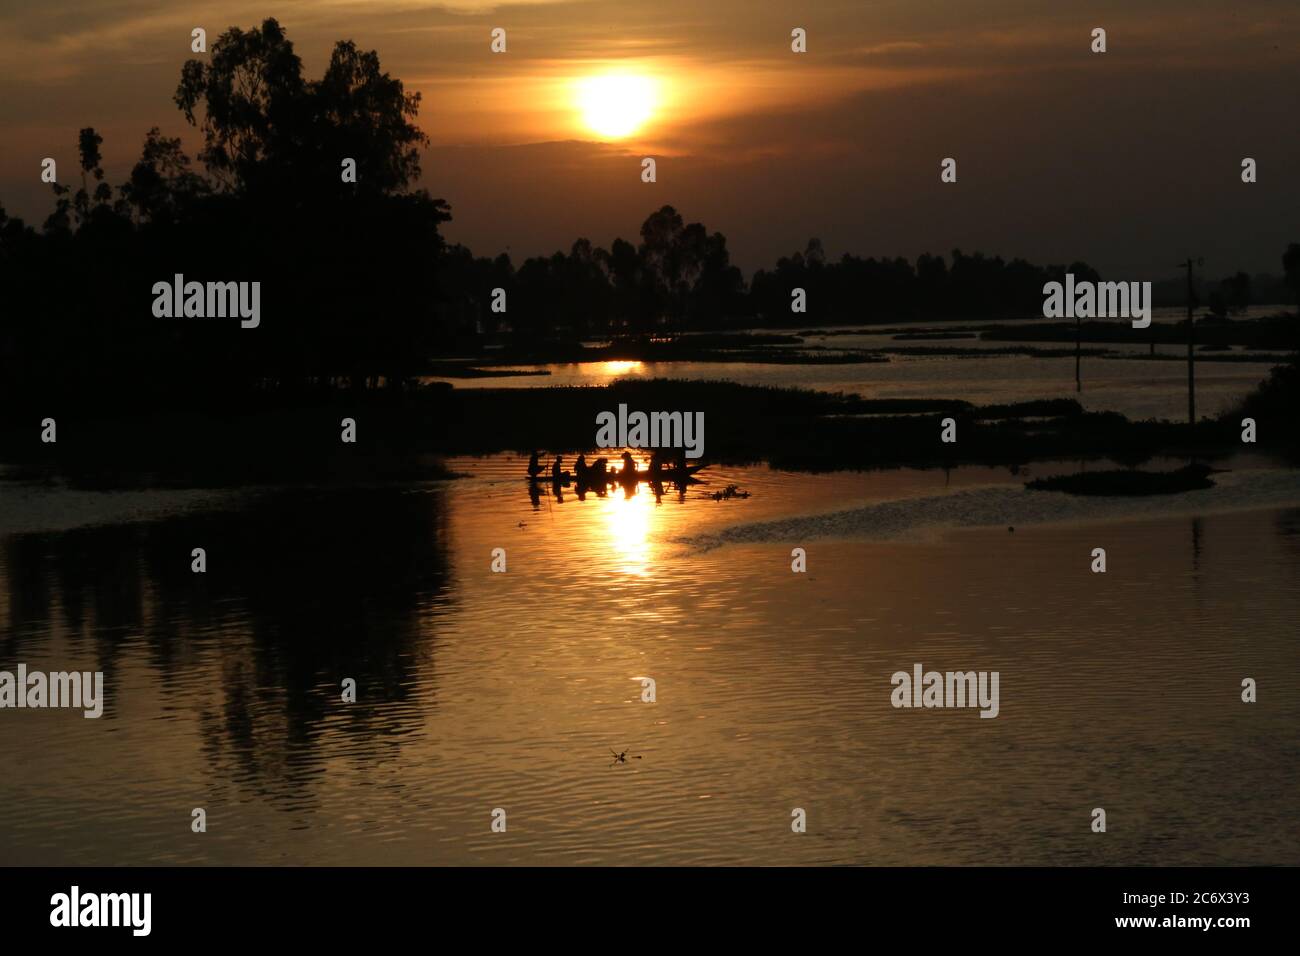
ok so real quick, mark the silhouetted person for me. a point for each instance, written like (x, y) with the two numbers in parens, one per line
(534, 467)
(557, 472)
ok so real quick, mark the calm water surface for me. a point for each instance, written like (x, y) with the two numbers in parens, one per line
(480, 690)
(1136, 387)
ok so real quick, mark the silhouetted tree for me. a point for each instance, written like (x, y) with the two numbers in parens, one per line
(349, 271)
(1236, 292)
(275, 143)
(1291, 271)
(1291, 268)
(162, 186)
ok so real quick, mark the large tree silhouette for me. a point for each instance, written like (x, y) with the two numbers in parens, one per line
(348, 269)
(267, 130)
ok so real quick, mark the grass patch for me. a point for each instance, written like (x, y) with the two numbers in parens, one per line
(1128, 483)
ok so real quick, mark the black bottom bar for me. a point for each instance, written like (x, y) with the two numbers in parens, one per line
(333, 906)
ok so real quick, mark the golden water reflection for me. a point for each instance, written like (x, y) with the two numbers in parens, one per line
(773, 688)
(630, 523)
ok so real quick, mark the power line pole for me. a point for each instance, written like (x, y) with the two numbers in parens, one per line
(1191, 359)
(1078, 352)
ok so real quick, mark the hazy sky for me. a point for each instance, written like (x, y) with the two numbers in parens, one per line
(1128, 159)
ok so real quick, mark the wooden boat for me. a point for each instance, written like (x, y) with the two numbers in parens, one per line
(600, 475)
(593, 474)
(676, 478)
(674, 474)
(546, 478)
(657, 476)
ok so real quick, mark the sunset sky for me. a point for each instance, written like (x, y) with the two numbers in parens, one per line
(1130, 160)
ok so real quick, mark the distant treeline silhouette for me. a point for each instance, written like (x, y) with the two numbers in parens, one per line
(358, 284)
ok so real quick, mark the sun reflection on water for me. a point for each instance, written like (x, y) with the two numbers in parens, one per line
(628, 524)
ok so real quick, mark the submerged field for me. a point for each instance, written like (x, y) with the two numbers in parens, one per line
(480, 690)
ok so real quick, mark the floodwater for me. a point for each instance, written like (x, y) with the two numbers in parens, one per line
(1136, 389)
(479, 691)
(1128, 383)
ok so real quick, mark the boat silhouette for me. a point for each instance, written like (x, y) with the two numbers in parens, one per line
(600, 475)
(563, 479)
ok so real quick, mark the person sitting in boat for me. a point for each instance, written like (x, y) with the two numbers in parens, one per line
(557, 469)
(629, 465)
(656, 463)
(580, 468)
(534, 467)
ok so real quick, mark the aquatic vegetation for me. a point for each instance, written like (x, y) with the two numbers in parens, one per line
(1128, 482)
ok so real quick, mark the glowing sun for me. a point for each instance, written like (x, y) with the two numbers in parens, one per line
(614, 105)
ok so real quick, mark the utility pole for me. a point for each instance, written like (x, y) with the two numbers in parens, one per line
(1191, 360)
(1078, 351)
